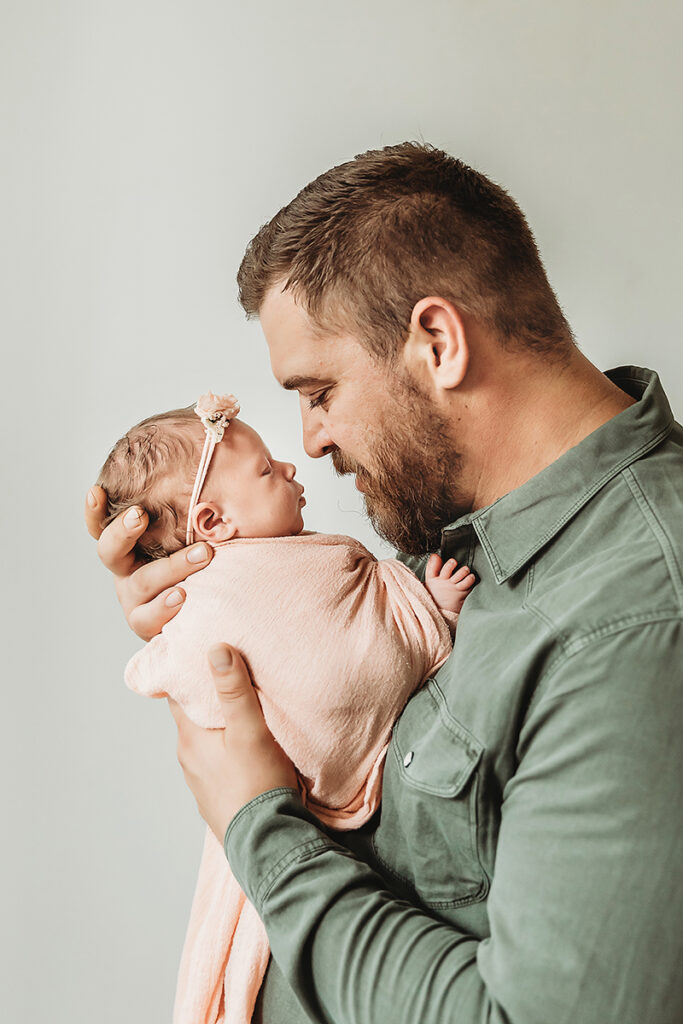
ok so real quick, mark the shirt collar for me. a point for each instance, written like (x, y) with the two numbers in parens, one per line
(514, 528)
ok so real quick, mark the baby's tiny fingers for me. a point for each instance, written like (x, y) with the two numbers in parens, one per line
(462, 572)
(433, 566)
(448, 568)
(466, 582)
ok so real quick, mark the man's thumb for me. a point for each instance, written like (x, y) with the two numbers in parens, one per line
(221, 659)
(231, 679)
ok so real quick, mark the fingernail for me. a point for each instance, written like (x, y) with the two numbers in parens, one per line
(92, 500)
(174, 598)
(199, 553)
(221, 659)
(132, 518)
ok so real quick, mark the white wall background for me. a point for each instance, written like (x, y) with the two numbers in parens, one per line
(143, 144)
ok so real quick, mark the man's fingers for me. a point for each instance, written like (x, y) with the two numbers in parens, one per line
(95, 510)
(154, 577)
(116, 543)
(190, 735)
(149, 596)
(175, 709)
(185, 725)
(148, 593)
(147, 620)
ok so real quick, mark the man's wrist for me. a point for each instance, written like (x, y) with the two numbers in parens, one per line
(247, 808)
(266, 835)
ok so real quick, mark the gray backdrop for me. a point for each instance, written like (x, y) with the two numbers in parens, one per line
(145, 142)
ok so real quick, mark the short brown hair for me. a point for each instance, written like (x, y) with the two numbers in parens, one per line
(149, 456)
(365, 241)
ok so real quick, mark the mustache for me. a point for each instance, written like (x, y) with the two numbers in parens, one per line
(343, 466)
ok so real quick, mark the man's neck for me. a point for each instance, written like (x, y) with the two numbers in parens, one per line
(526, 426)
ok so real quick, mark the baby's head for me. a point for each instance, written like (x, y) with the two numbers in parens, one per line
(246, 493)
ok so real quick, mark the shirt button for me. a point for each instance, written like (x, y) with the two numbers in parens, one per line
(408, 758)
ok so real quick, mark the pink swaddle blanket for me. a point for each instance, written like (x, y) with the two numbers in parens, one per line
(336, 642)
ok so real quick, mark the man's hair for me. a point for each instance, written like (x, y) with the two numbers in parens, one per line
(365, 241)
(144, 468)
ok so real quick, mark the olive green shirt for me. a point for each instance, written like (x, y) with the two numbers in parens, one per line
(525, 866)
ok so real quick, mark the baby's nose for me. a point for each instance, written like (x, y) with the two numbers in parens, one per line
(288, 469)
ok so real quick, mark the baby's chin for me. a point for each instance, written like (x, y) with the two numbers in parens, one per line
(291, 530)
(298, 527)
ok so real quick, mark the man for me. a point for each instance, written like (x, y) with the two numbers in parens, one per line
(525, 864)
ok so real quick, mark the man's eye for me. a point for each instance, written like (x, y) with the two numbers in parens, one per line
(319, 400)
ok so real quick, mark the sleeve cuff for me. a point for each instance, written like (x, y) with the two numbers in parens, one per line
(267, 835)
(451, 619)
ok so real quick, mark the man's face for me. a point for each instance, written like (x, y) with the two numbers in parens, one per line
(372, 420)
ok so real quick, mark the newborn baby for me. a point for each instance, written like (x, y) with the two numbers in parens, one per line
(336, 642)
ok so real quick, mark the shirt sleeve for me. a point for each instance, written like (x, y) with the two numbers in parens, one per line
(451, 619)
(586, 902)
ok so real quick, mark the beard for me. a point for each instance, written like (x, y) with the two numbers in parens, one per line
(411, 490)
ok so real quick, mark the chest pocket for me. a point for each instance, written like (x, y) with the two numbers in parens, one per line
(427, 833)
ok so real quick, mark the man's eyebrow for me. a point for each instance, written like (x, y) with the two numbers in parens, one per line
(298, 382)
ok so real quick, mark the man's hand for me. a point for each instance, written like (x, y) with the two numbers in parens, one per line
(148, 592)
(226, 768)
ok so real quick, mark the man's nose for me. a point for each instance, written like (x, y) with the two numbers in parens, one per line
(317, 442)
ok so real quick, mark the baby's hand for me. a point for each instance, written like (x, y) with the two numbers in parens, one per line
(448, 587)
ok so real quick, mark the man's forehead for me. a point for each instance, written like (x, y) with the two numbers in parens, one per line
(281, 313)
(298, 367)
(300, 356)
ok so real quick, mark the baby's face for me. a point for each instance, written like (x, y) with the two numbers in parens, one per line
(248, 493)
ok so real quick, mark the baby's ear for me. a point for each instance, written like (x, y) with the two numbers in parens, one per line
(210, 523)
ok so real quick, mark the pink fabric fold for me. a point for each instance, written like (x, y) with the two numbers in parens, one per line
(337, 641)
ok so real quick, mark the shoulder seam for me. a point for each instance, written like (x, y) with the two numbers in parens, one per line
(622, 625)
(658, 531)
(573, 647)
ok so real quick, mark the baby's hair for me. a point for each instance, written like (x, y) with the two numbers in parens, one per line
(145, 468)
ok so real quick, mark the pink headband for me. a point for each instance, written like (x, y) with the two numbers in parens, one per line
(215, 412)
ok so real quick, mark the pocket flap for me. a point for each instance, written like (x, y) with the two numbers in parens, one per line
(435, 753)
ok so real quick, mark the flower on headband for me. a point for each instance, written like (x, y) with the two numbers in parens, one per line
(216, 411)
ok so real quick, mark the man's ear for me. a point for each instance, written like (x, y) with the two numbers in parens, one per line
(210, 523)
(437, 343)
